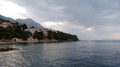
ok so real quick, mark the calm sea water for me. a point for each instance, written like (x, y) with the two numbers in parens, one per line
(67, 54)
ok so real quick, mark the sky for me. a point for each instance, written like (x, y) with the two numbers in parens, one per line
(88, 19)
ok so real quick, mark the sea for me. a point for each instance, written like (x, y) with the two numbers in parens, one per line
(64, 54)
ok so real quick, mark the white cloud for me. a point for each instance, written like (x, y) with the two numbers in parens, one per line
(11, 9)
(53, 25)
(89, 28)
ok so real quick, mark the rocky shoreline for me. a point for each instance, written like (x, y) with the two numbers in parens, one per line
(41, 41)
(7, 48)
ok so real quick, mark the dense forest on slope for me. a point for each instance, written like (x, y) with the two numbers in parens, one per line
(17, 31)
(56, 35)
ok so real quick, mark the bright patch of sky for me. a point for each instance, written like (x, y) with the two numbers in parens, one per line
(10, 9)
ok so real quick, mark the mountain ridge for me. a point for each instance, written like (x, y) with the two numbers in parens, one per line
(28, 21)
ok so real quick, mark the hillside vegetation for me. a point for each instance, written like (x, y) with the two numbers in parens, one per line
(9, 30)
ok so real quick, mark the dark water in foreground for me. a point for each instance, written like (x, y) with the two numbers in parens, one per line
(67, 54)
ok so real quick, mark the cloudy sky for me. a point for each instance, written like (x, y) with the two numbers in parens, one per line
(89, 19)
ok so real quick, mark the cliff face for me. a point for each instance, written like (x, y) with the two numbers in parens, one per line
(9, 31)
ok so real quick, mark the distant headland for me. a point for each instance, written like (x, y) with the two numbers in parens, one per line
(12, 31)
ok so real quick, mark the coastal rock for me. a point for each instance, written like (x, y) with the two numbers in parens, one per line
(7, 48)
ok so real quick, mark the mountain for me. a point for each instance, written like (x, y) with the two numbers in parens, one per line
(7, 18)
(29, 22)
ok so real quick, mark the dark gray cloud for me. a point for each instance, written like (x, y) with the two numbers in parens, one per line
(86, 12)
(102, 15)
